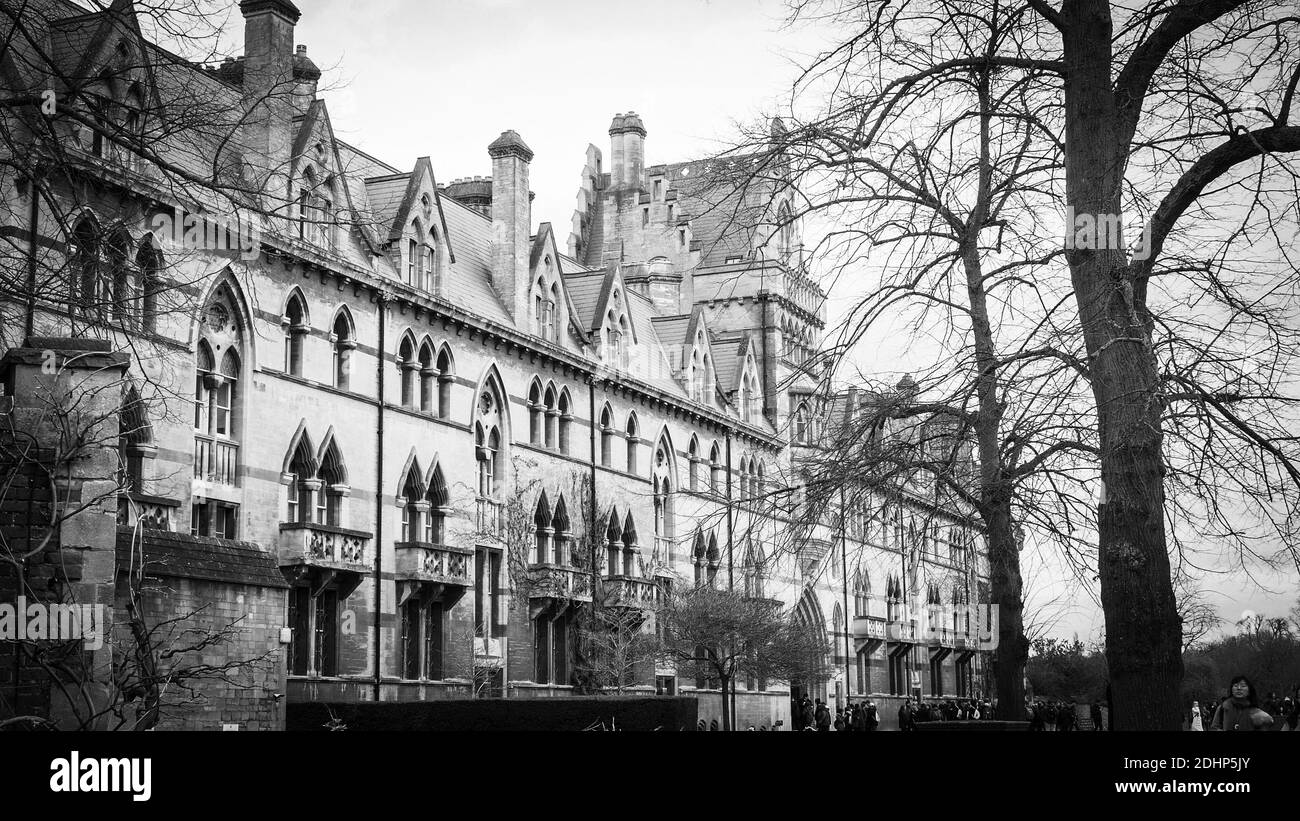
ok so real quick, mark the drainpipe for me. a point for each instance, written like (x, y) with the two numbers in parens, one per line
(844, 591)
(768, 410)
(30, 319)
(382, 302)
(591, 502)
(730, 581)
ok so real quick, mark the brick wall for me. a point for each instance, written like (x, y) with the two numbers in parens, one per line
(249, 699)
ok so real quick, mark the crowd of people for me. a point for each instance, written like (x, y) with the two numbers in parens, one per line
(864, 716)
(1058, 716)
(909, 714)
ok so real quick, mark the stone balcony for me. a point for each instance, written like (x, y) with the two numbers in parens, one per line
(325, 553)
(904, 631)
(630, 591)
(437, 563)
(554, 587)
(869, 627)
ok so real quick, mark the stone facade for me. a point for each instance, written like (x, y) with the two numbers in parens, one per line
(451, 429)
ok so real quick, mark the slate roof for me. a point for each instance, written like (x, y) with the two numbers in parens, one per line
(721, 217)
(181, 556)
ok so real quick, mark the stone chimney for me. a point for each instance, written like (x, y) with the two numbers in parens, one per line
(511, 221)
(305, 77)
(627, 149)
(271, 90)
(472, 192)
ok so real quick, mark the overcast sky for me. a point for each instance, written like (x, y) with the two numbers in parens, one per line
(441, 79)
(444, 79)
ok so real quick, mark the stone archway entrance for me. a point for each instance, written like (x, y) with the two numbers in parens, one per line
(807, 614)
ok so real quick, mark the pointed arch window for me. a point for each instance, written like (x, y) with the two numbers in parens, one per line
(302, 483)
(407, 365)
(613, 544)
(135, 440)
(446, 375)
(716, 475)
(861, 594)
(551, 421)
(552, 311)
(714, 558)
(435, 526)
(489, 440)
(630, 548)
(414, 505)
(334, 488)
(802, 428)
(693, 470)
(755, 571)
(699, 558)
(565, 419)
(125, 280)
(428, 374)
(542, 530)
(148, 262)
(606, 437)
(432, 263)
(344, 342)
(663, 512)
(633, 443)
(315, 209)
(536, 412)
(295, 334)
(562, 536)
(91, 293)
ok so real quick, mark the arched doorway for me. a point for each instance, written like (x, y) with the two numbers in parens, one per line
(808, 615)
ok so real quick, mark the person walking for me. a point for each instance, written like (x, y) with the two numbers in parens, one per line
(905, 719)
(1240, 710)
(1196, 726)
(823, 717)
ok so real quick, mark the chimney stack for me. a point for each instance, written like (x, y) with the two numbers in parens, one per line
(627, 147)
(511, 221)
(270, 89)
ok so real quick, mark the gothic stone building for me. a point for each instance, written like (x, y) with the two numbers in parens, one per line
(407, 430)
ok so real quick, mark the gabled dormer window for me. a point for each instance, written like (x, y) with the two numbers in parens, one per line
(546, 304)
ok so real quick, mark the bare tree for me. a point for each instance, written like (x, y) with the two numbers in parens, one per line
(942, 182)
(726, 635)
(1181, 110)
(61, 458)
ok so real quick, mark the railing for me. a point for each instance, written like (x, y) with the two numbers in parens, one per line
(215, 461)
(631, 591)
(869, 627)
(425, 561)
(558, 581)
(324, 546)
(906, 631)
(489, 519)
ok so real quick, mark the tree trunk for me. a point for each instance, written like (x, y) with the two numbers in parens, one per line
(995, 485)
(726, 704)
(1006, 586)
(1143, 633)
